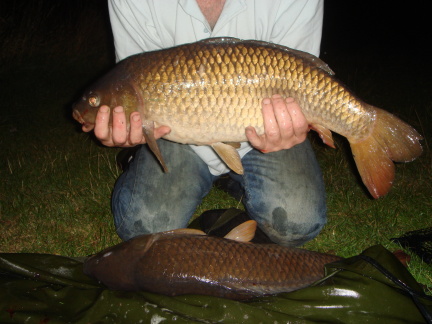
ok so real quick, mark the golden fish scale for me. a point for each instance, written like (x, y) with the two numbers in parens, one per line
(210, 93)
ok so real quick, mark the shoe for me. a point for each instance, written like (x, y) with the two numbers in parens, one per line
(125, 156)
(233, 188)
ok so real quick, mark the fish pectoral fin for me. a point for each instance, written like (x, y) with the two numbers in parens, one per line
(324, 133)
(244, 232)
(229, 155)
(148, 132)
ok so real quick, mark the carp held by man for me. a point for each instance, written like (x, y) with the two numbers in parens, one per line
(187, 261)
(208, 92)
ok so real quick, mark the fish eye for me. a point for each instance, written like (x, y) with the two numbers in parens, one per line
(94, 100)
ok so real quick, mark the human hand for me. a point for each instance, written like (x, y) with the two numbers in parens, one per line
(120, 134)
(284, 125)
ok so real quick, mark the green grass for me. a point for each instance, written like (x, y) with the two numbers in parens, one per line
(56, 181)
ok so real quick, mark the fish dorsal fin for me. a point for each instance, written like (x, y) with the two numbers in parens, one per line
(186, 231)
(310, 58)
(229, 155)
(221, 40)
(148, 132)
(307, 57)
(244, 232)
(313, 60)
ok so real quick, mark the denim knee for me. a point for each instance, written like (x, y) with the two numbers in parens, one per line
(284, 193)
(147, 200)
(292, 231)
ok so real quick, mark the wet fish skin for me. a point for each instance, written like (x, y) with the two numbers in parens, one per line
(177, 264)
(208, 92)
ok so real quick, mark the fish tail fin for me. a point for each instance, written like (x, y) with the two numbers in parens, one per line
(390, 140)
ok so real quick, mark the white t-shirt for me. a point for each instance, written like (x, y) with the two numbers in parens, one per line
(147, 25)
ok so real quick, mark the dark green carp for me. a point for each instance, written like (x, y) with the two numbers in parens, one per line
(187, 261)
(208, 92)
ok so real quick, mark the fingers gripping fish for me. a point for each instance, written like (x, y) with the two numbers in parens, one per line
(208, 92)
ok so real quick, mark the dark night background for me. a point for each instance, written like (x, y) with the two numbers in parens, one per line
(361, 39)
(50, 50)
(379, 49)
(380, 25)
(55, 183)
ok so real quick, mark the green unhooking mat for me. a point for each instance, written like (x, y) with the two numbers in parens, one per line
(373, 287)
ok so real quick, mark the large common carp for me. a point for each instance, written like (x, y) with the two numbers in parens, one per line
(208, 92)
(187, 261)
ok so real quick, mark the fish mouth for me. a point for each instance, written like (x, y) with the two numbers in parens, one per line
(78, 117)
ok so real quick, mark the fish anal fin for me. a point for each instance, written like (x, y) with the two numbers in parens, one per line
(324, 133)
(148, 132)
(229, 155)
(390, 140)
(245, 232)
(236, 145)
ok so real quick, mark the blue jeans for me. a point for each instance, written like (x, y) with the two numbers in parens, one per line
(283, 191)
